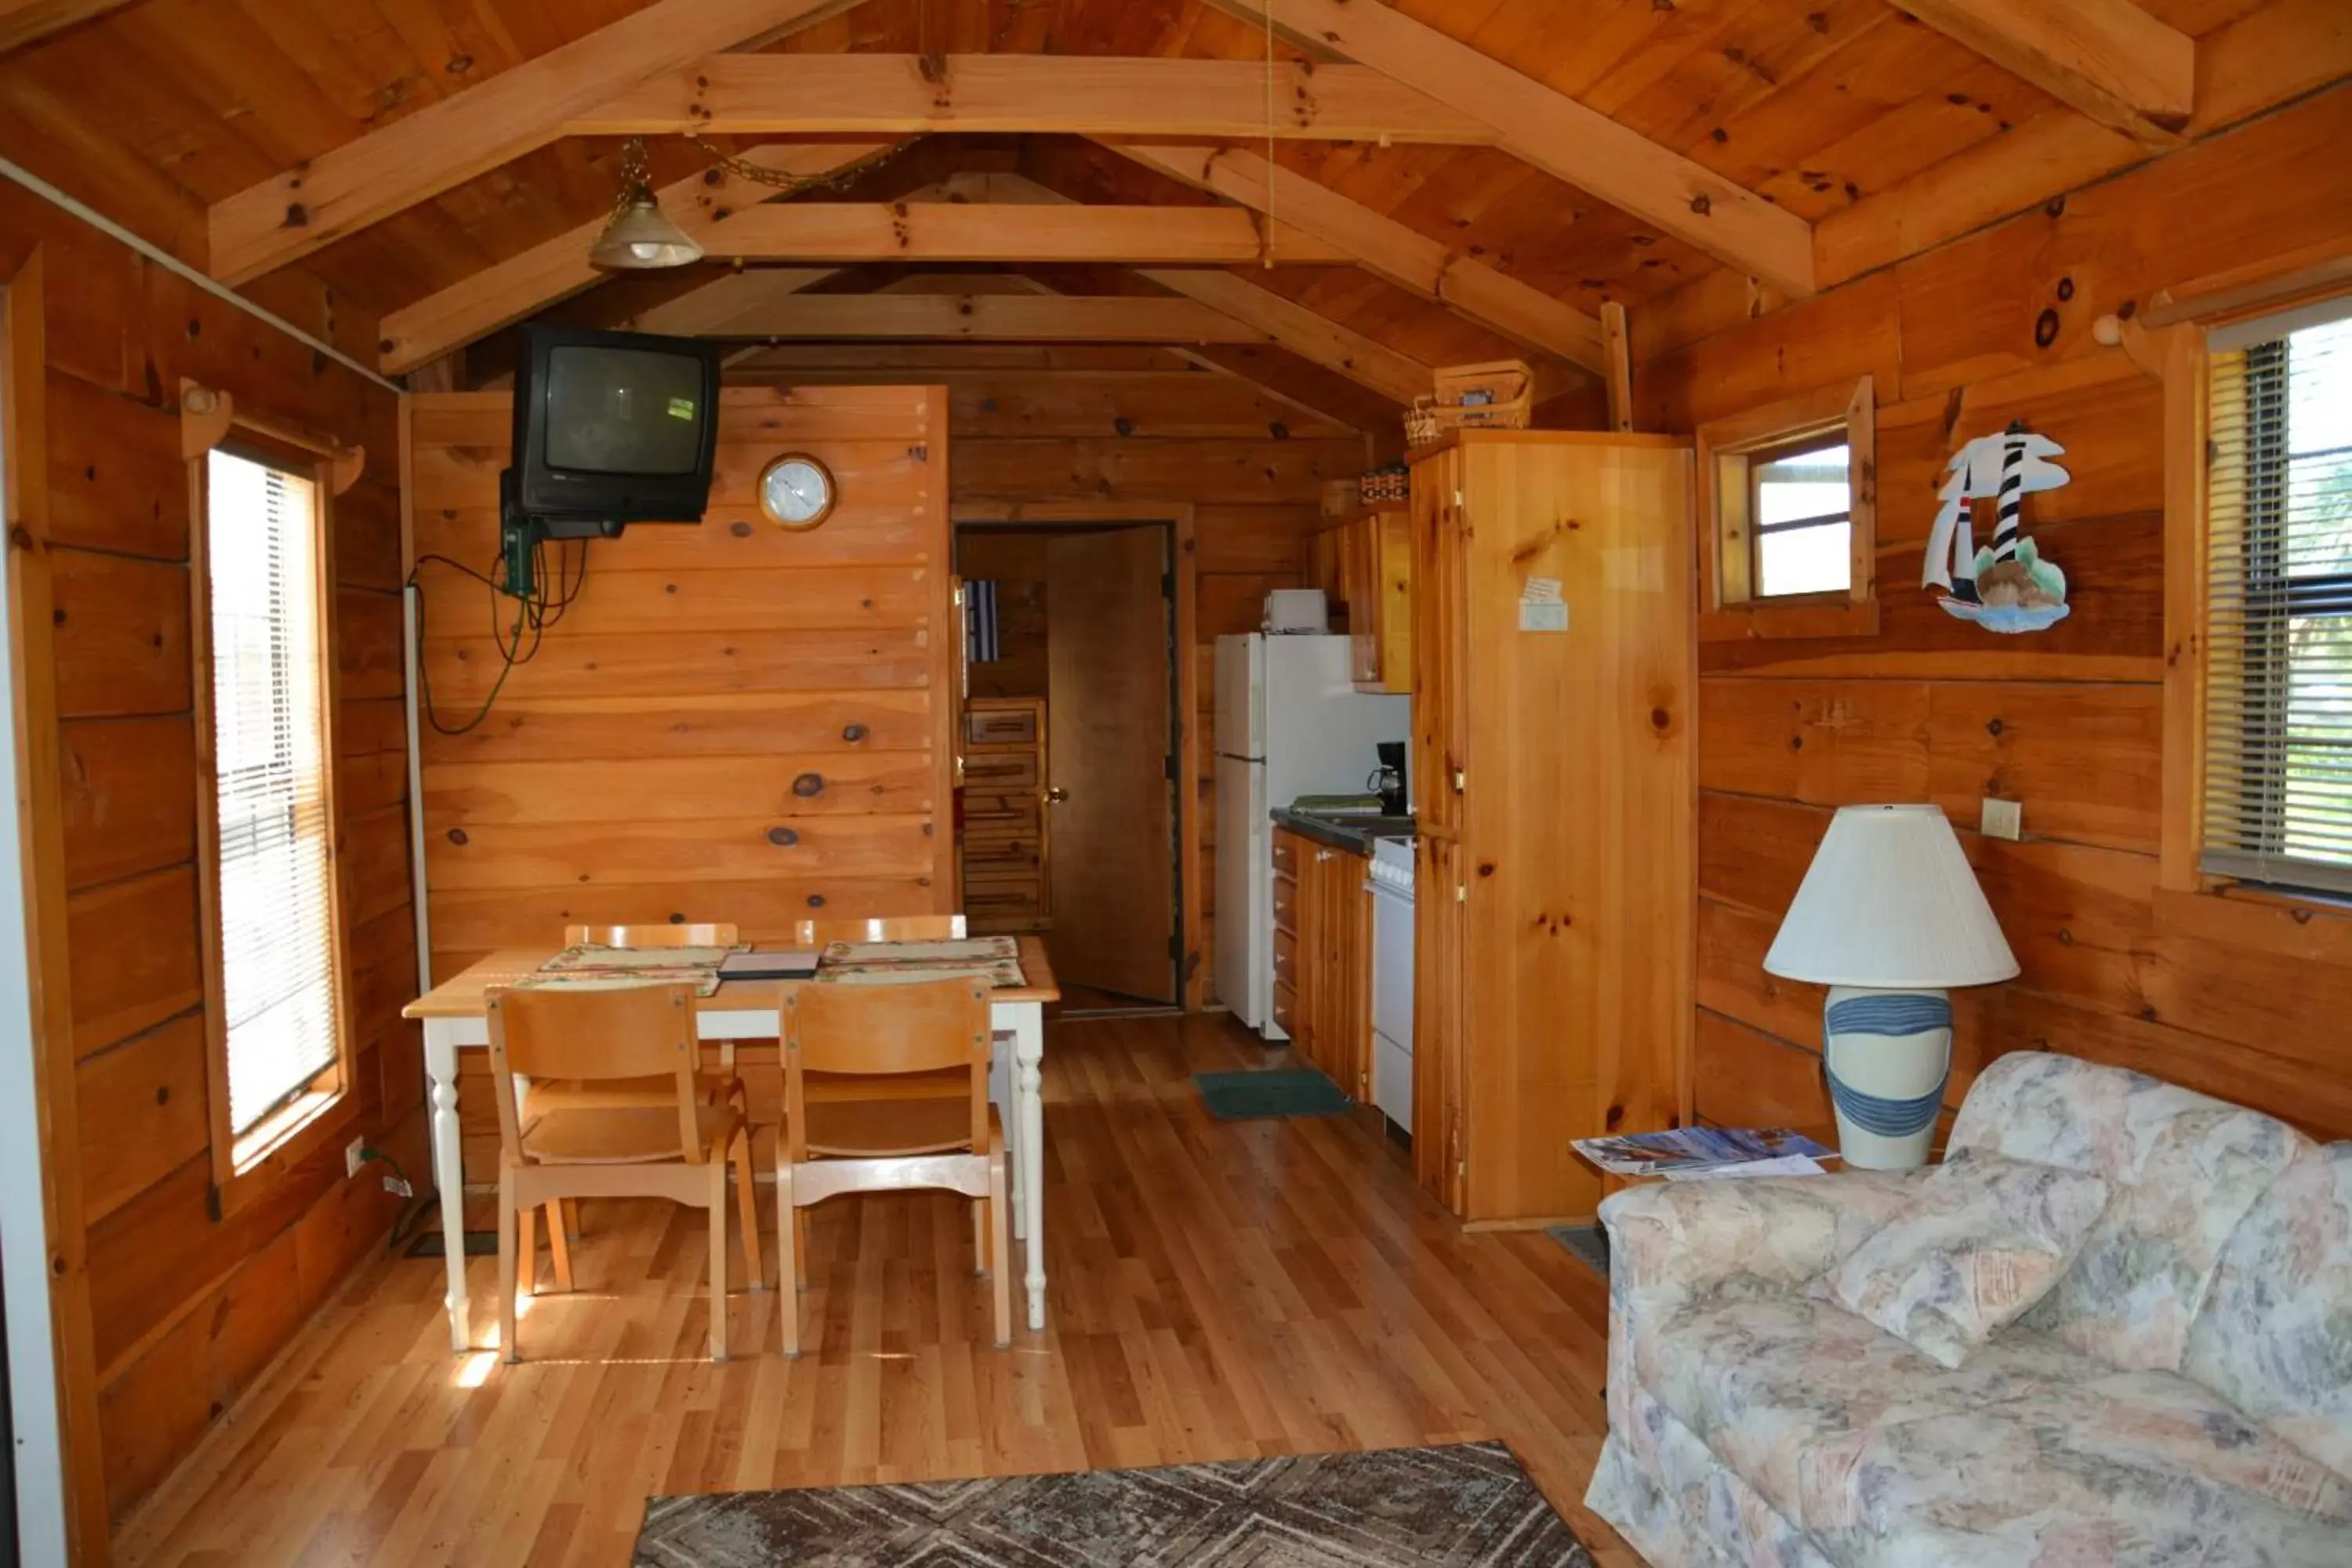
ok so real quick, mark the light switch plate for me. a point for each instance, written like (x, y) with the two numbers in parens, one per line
(2002, 818)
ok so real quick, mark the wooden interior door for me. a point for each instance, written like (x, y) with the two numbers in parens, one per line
(1111, 736)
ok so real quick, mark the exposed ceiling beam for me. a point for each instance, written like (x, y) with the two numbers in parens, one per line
(525, 284)
(414, 159)
(1000, 232)
(24, 22)
(1561, 136)
(988, 318)
(1305, 332)
(2108, 59)
(1386, 248)
(902, 95)
(729, 305)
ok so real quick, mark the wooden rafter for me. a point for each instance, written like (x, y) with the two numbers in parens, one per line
(525, 284)
(1384, 247)
(729, 306)
(1305, 332)
(24, 22)
(293, 213)
(845, 232)
(1561, 136)
(902, 95)
(986, 318)
(2108, 59)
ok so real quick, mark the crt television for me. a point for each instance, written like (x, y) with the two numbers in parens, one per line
(610, 429)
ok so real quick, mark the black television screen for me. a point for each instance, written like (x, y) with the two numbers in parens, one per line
(614, 427)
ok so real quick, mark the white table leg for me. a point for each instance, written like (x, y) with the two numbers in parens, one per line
(1005, 1079)
(448, 1171)
(1028, 1052)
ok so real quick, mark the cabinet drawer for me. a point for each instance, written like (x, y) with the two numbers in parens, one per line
(1001, 770)
(1286, 904)
(1001, 727)
(1285, 855)
(1000, 813)
(1285, 1009)
(1286, 959)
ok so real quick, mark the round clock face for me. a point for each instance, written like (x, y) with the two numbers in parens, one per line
(796, 491)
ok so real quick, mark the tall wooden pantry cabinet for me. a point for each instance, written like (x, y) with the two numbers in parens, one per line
(1554, 683)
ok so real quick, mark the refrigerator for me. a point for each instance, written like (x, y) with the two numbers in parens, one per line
(1289, 721)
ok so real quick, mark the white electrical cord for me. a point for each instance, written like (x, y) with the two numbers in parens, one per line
(165, 258)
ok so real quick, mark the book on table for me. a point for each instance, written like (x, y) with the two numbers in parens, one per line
(790, 964)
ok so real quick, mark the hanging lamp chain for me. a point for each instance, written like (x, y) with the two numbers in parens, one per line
(637, 171)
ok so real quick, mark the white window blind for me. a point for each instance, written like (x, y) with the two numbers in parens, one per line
(2278, 723)
(270, 758)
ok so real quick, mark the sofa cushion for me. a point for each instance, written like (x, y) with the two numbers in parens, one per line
(2276, 1336)
(1761, 1380)
(1982, 1240)
(2185, 1168)
(2133, 1470)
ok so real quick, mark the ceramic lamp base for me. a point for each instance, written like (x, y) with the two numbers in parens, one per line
(1889, 1053)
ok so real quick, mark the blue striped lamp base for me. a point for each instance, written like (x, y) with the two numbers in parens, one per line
(1888, 1055)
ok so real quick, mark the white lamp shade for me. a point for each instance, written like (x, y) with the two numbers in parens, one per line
(1890, 903)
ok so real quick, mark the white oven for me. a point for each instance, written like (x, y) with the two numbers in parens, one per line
(1390, 876)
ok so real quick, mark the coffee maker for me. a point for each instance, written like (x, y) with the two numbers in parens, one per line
(1387, 779)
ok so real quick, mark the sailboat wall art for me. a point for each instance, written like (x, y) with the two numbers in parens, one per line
(2007, 586)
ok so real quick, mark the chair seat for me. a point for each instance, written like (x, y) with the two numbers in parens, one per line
(621, 1134)
(880, 1128)
(572, 1094)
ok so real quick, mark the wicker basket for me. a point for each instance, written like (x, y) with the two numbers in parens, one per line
(1499, 395)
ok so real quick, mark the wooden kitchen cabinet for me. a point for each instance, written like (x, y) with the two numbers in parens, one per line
(1554, 907)
(1366, 564)
(1006, 886)
(1323, 958)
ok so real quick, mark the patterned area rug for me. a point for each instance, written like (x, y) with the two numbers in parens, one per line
(1466, 1505)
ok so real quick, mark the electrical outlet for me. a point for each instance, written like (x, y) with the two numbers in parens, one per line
(398, 1188)
(354, 1157)
(2002, 818)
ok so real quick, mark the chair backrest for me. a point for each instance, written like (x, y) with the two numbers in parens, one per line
(879, 928)
(593, 1033)
(885, 1031)
(662, 934)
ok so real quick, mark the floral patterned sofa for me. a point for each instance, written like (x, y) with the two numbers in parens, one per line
(2182, 1396)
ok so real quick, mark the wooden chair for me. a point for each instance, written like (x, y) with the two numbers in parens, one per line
(879, 928)
(828, 1147)
(678, 1150)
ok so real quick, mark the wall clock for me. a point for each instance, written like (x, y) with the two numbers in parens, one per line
(796, 491)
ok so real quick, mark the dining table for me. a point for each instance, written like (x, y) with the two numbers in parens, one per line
(455, 1016)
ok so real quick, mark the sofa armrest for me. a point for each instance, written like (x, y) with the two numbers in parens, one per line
(1672, 1240)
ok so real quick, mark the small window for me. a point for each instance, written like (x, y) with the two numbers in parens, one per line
(1803, 513)
(270, 894)
(2278, 690)
(1788, 496)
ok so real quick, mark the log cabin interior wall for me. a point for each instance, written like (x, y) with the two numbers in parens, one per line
(2241, 998)
(180, 1311)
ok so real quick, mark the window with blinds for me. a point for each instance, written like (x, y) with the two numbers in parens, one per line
(2278, 722)
(273, 895)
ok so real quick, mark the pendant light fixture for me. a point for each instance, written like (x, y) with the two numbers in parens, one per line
(638, 238)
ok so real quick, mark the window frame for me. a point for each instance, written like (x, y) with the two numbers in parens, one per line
(1729, 452)
(248, 1167)
(2179, 351)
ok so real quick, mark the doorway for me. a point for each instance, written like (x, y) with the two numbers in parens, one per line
(1077, 623)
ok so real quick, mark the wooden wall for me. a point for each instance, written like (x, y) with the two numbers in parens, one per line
(2238, 998)
(182, 1311)
(1015, 560)
(1131, 427)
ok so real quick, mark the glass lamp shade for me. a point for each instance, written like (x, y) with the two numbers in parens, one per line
(1890, 903)
(640, 239)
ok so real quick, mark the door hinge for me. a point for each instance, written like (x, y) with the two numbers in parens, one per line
(1175, 769)
(1461, 892)
(1461, 781)
(1168, 584)
(1457, 496)
(1176, 946)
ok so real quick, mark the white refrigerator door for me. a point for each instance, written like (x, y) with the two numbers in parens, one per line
(1240, 697)
(1322, 734)
(1244, 908)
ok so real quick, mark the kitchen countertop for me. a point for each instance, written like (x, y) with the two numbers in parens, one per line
(1353, 834)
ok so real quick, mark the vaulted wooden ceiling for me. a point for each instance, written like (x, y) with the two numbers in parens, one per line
(1793, 143)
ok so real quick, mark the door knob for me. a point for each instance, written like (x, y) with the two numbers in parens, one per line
(1057, 797)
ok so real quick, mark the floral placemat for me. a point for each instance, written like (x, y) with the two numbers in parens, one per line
(998, 958)
(614, 968)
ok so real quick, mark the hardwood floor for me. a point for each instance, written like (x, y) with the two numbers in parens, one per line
(1216, 1290)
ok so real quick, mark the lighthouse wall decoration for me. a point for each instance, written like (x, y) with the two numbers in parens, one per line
(2009, 586)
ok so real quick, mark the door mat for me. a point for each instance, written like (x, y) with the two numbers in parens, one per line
(1590, 1243)
(1243, 1096)
(1465, 1505)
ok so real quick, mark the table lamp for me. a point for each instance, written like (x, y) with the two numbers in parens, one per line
(1888, 916)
